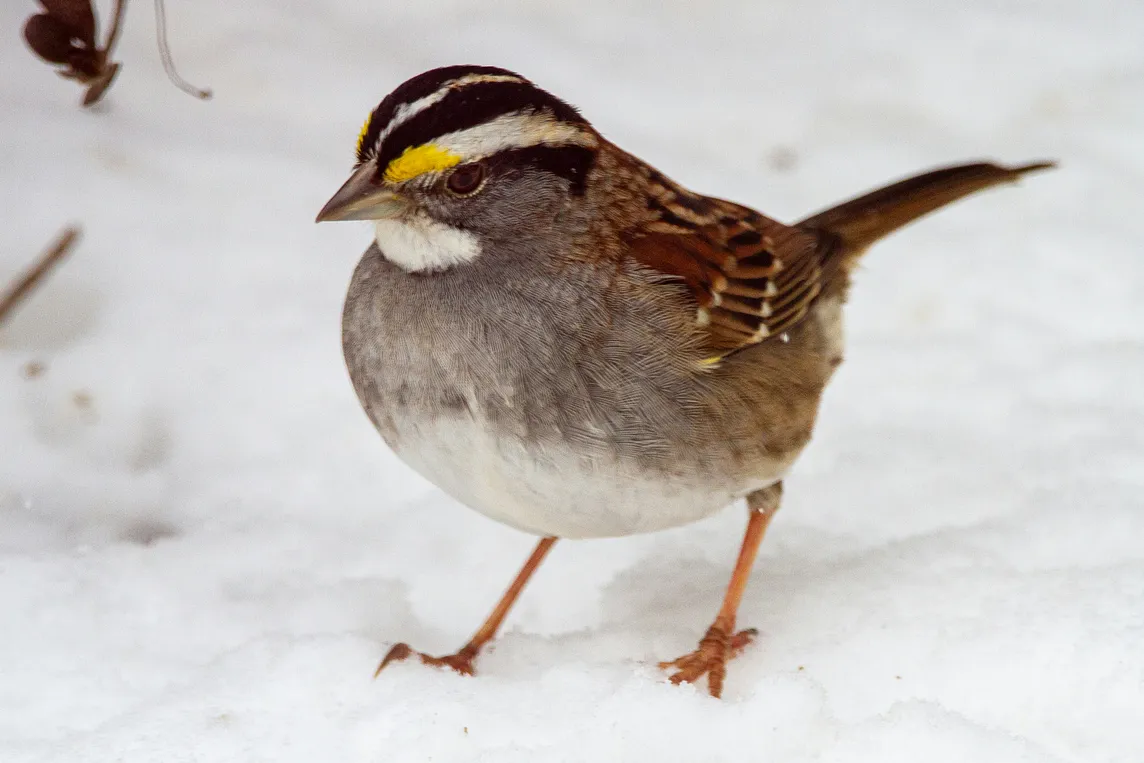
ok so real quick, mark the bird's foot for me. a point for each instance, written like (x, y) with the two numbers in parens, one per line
(461, 662)
(710, 659)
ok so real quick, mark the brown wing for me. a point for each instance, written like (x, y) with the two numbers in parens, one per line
(752, 277)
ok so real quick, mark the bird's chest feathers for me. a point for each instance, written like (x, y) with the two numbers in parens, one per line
(524, 408)
(419, 353)
(419, 243)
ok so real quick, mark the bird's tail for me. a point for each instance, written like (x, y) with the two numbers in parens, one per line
(867, 218)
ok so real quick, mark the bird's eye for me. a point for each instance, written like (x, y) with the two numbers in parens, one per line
(466, 179)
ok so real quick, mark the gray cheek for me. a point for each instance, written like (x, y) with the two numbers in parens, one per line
(508, 207)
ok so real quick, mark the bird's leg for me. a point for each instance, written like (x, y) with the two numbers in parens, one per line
(721, 642)
(462, 661)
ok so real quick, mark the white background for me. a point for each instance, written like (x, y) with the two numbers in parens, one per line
(205, 548)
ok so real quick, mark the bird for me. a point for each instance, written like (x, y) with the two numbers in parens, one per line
(562, 338)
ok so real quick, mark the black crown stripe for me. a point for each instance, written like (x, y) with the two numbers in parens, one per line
(415, 89)
(470, 106)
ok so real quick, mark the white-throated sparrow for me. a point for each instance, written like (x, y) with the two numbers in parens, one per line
(567, 341)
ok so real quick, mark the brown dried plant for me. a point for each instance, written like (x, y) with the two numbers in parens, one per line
(65, 34)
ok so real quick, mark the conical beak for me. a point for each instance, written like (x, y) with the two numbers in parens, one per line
(361, 198)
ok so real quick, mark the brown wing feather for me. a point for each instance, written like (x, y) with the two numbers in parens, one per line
(752, 276)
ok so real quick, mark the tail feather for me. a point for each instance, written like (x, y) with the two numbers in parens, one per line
(865, 219)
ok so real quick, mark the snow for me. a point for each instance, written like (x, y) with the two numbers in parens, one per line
(205, 548)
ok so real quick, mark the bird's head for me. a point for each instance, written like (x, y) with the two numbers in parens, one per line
(461, 157)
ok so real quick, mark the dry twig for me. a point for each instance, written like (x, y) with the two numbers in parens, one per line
(201, 93)
(49, 259)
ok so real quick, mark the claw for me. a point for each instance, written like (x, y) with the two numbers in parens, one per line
(710, 659)
(741, 641)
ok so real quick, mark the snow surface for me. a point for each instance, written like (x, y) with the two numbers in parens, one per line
(205, 548)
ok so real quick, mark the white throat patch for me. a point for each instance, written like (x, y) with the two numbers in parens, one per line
(419, 243)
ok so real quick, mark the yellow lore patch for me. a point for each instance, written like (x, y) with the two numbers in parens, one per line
(418, 161)
(361, 135)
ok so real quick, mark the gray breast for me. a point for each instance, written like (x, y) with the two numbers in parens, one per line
(571, 359)
(514, 386)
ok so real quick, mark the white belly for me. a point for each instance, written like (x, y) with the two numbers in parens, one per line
(550, 491)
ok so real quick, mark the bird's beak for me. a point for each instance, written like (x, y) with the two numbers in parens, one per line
(361, 198)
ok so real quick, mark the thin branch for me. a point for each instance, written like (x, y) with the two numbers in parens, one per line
(165, 55)
(116, 26)
(108, 68)
(49, 259)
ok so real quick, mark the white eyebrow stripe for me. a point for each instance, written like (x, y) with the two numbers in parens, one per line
(519, 130)
(407, 111)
